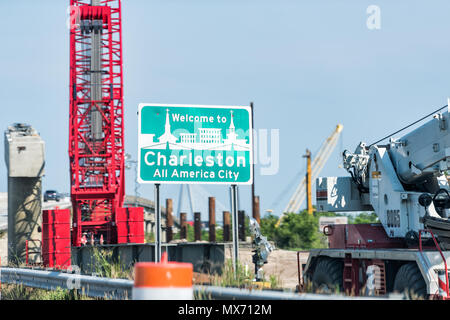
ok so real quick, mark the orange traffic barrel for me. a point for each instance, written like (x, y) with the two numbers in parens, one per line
(163, 281)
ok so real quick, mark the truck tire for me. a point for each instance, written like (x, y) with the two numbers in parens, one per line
(409, 281)
(327, 276)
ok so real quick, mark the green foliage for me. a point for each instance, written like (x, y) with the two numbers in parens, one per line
(275, 282)
(190, 233)
(58, 294)
(149, 237)
(231, 278)
(296, 231)
(106, 267)
(20, 292)
(241, 278)
(267, 226)
(219, 234)
(205, 234)
(364, 217)
(301, 230)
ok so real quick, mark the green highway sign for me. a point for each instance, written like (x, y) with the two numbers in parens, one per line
(195, 144)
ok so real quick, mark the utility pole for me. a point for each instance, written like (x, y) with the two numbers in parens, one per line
(235, 225)
(308, 182)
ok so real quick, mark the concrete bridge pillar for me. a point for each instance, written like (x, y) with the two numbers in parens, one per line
(25, 160)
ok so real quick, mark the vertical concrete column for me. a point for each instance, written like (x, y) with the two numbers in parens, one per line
(226, 226)
(169, 219)
(183, 225)
(25, 159)
(197, 226)
(24, 219)
(212, 219)
(241, 225)
(256, 212)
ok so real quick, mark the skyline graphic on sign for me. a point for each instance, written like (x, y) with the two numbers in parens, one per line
(204, 139)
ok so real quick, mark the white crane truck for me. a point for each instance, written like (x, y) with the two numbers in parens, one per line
(404, 182)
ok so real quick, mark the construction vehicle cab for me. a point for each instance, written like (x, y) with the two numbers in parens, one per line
(404, 183)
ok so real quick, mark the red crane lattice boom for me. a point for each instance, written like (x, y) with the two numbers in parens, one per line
(96, 134)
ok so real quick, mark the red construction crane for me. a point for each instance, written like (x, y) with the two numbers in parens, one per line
(96, 128)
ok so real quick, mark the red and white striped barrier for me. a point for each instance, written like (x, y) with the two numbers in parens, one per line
(163, 281)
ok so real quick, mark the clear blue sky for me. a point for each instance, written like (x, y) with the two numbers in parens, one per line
(307, 65)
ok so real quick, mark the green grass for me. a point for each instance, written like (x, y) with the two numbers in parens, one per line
(106, 267)
(20, 292)
(149, 237)
(240, 279)
(275, 282)
(231, 278)
(228, 278)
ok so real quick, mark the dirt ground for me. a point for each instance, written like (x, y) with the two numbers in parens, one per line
(281, 263)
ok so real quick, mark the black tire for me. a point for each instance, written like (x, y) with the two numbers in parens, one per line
(409, 281)
(327, 276)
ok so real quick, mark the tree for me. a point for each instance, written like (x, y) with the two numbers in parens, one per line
(364, 217)
(301, 230)
(296, 231)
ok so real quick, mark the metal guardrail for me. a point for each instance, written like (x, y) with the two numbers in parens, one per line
(95, 287)
(223, 293)
(119, 289)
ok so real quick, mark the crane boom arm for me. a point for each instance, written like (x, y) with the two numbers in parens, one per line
(397, 179)
(318, 163)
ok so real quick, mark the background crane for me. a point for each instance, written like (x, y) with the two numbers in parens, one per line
(317, 164)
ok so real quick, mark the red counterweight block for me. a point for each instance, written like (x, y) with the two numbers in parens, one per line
(130, 225)
(56, 251)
